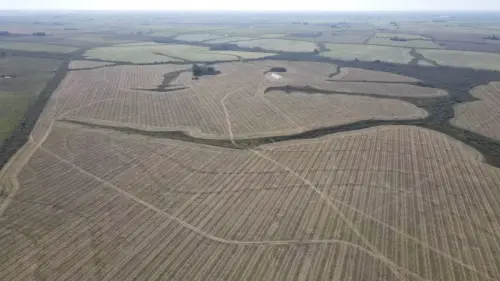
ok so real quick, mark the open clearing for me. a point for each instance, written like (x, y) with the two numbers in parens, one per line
(279, 45)
(409, 43)
(85, 64)
(351, 37)
(196, 37)
(228, 40)
(21, 80)
(34, 47)
(12, 108)
(481, 116)
(424, 63)
(112, 96)
(401, 35)
(479, 60)
(153, 52)
(368, 53)
(357, 74)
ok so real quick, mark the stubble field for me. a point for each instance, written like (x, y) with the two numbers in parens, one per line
(481, 116)
(109, 206)
(79, 202)
(120, 96)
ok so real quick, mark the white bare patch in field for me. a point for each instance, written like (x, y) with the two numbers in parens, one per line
(276, 76)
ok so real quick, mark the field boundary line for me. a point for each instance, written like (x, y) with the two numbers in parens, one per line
(25, 157)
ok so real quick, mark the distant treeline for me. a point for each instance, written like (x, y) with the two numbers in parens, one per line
(6, 33)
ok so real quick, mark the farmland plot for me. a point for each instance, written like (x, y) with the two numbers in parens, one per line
(428, 44)
(115, 96)
(313, 70)
(402, 36)
(196, 37)
(153, 52)
(405, 40)
(368, 53)
(378, 204)
(279, 45)
(454, 58)
(84, 64)
(358, 74)
(228, 40)
(350, 37)
(35, 47)
(386, 89)
(21, 81)
(481, 116)
(333, 110)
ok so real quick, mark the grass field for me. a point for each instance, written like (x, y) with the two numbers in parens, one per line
(424, 63)
(478, 60)
(268, 30)
(196, 37)
(401, 35)
(12, 109)
(26, 78)
(34, 47)
(83, 64)
(179, 29)
(368, 53)
(88, 40)
(71, 41)
(410, 43)
(279, 45)
(346, 37)
(358, 74)
(228, 39)
(152, 52)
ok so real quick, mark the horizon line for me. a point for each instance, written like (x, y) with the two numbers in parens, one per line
(237, 10)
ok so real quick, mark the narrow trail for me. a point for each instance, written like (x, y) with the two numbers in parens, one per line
(24, 156)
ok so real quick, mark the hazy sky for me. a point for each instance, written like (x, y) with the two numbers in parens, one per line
(487, 5)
